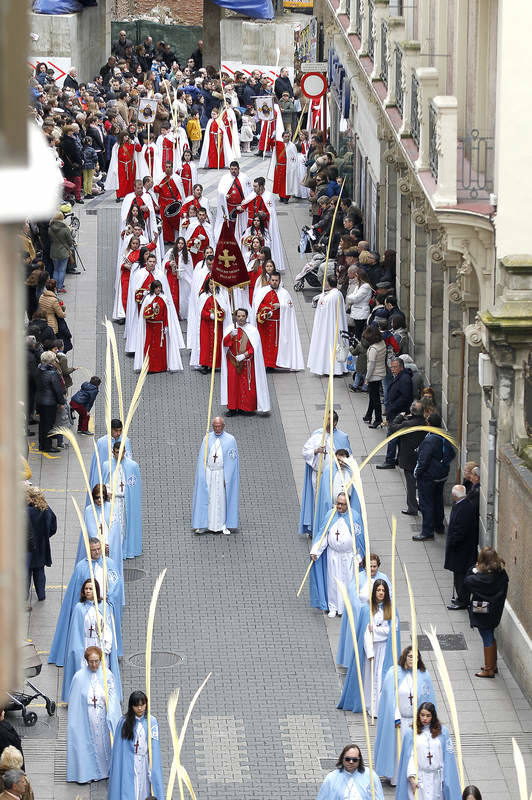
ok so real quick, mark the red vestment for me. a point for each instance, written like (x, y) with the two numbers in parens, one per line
(268, 128)
(168, 193)
(168, 151)
(227, 125)
(144, 289)
(125, 274)
(126, 168)
(279, 178)
(199, 231)
(156, 317)
(138, 201)
(186, 177)
(258, 206)
(216, 146)
(149, 158)
(234, 197)
(268, 325)
(253, 276)
(207, 334)
(241, 385)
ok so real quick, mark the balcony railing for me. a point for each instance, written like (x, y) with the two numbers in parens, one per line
(433, 141)
(475, 165)
(384, 53)
(399, 99)
(371, 40)
(414, 109)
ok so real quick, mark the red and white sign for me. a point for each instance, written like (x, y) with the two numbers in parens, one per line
(314, 85)
(59, 65)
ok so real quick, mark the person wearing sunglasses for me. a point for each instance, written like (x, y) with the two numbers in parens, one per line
(350, 778)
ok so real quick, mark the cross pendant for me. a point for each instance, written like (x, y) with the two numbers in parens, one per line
(410, 697)
(337, 534)
(430, 757)
(215, 456)
(136, 747)
(94, 700)
(121, 486)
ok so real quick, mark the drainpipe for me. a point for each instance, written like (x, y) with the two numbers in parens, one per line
(492, 475)
(460, 431)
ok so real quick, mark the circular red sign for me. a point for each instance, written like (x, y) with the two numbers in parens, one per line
(313, 85)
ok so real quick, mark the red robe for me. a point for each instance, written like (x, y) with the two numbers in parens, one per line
(125, 274)
(216, 146)
(168, 151)
(138, 201)
(269, 327)
(279, 178)
(253, 276)
(168, 193)
(234, 197)
(186, 177)
(143, 289)
(228, 129)
(173, 283)
(207, 334)
(186, 206)
(241, 385)
(258, 206)
(149, 158)
(155, 337)
(126, 168)
(270, 128)
(199, 230)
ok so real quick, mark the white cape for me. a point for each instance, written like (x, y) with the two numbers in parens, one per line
(143, 164)
(227, 151)
(185, 281)
(223, 187)
(323, 330)
(273, 228)
(119, 311)
(136, 280)
(289, 353)
(194, 326)
(263, 395)
(292, 176)
(174, 338)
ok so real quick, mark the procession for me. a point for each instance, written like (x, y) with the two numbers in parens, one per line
(260, 505)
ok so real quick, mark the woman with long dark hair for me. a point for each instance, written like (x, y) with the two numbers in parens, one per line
(132, 777)
(350, 778)
(437, 776)
(179, 269)
(375, 372)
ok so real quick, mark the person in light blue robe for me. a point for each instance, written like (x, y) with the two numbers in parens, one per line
(325, 500)
(392, 715)
(340, 442)
(102, 445)
(345, 642)
(128, 500)
(113, 536)
(90, 723)
(450, 783)
(83, 633)
(350, 777)
(129, 778)
(231, 476)
(350, 699)
(318, 572)
(71, 597)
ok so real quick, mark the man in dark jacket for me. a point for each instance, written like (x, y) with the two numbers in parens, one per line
(50, 394)
(71, 81)
(461, 546)
(119, 46)
(408, 446)
(282, 84)
(432, 468)
(398, 401)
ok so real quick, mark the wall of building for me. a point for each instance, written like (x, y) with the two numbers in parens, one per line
(256, 42)
(190, 13)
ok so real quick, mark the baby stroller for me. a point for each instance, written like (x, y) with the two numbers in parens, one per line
(20, 700)
(309, 273)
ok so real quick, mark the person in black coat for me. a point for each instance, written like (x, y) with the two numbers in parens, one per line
(282, 84)
(8, 735)
(42, 524)
(50, 394)
(408, 446)
(39, 327)
(461, 545)
(398, 400)
(32, 376)
(487, 582)
(434, 457)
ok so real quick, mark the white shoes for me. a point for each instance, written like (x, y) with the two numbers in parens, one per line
(226, 531)
(331, 614)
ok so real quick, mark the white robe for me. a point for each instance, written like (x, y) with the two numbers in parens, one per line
(119, 311)
(302, 191)
(313, 459)
(97, 712)
(174, 337)
(191, 234)
(292, 171)
(235, 147)
(150, 222)
(340, 561)
(90, 632)
(289, 353)
(227, 150)
(132, 314)
(198, 278)
(261, 382)
(141, 763)
(180, 141)
(374, 653)
(323, 330)
(184, 277)
(143, 164)
(214, 478)
(224, 185)
(194, 324)
(273, 228)
(430, 770)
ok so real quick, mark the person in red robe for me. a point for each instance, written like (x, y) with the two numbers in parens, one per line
(156, 317)
(150, 155)
(207, 326)
(167, 144)
(130, 258)
(279, 177)
(215, 133)
(254, 264)
(197, 200)
(241, 384)
(199, 237)
(257, 206)
(268, 321)
(126, 164)
(169, 191)
(185, 173)
(268, 130)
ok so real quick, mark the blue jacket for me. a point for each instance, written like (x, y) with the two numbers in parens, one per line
(434, 455)
(90, 157)
(86, 395)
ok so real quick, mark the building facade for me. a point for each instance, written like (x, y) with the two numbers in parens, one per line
(431, 133)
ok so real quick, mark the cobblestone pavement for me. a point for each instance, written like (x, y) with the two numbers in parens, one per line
(266, 725)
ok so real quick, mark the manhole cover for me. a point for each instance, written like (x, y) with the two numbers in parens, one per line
(132, 574)
(160, 659)
(448, 641)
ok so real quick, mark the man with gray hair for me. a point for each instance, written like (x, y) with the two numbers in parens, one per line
(461, 545)
(14, 784)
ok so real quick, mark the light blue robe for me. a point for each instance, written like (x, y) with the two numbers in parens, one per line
(451, 782)
(200, 502)
(335, 784)
(318, 572)
(114, 538)
(345, 643)
(306, 524)
(121, 778)
(114, 598)
(103, 452)
(386, 739)
(132, 544)
(324, 495)
(82, 765)
(350, 699)
(75, 648)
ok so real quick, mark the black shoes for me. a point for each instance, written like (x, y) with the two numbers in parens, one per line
(385, 465)
(421, 538)
(456, 606)
(375, 424)
(231, 412)
(408, 513)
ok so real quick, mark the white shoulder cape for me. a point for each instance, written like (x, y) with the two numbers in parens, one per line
(263, 395)
(289, 353)
(174, 339)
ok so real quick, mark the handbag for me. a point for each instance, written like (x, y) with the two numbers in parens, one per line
(480, 607)
(342, 347)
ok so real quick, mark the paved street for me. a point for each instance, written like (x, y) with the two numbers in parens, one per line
(266, 725)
